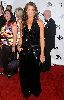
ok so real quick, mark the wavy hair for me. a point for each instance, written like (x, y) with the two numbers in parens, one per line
(25, 17)
(12, 20)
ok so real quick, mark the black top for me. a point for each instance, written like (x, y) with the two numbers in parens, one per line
(2, 21)
(32, 36)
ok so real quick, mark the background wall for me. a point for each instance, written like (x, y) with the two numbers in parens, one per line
(57, 9)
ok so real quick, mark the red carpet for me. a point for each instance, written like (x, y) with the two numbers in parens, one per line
(52, 86)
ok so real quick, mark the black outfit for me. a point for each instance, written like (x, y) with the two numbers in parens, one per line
(0, 57)
(1, 24)
(29, 60)
(2, 21)
(49, 35)
(6, 51)
(7, 58)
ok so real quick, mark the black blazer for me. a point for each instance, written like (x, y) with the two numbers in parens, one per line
(49, 34)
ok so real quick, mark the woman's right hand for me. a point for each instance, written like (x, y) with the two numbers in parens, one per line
(42, 58)
(19, 48)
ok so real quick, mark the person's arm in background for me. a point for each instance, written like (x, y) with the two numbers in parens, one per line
(20, 41)
(14, 31)
(41, 40)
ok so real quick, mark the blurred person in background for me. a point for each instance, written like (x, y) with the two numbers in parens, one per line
(1, 16)
(9, 32)
(49, 35)
(9, 7)
(18, 14)
(1, 24)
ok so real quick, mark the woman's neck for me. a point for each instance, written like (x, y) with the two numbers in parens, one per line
(30, 19)
(8, 20)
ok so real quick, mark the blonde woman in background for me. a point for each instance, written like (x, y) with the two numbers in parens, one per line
(18, 14)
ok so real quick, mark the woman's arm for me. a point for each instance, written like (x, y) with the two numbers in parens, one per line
(20, 40)
(14, 31)
(41, 39)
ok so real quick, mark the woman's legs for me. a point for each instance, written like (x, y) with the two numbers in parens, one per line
(6, 50)
(25, 74)
(35, 81)
(29, 74)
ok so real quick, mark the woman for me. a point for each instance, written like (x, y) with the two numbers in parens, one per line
(31, 48)
(1, 23)
(8, 32)
(19, 13)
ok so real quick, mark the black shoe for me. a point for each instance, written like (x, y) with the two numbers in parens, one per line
(1, 73)
(45, 69)
(9, 75)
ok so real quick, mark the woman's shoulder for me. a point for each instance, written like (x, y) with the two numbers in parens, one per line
(40, 22)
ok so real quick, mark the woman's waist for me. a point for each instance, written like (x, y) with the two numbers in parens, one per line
(31, 48)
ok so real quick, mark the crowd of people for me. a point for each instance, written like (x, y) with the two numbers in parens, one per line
(24, 34)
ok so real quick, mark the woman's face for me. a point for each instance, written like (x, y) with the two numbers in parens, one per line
(17, 13)
(7, 15)
(30, 11)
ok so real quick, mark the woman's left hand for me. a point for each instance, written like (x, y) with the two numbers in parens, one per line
(13, 48)
(42, 58)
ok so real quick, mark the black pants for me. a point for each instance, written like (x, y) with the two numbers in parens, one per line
(29, 73)
(1, 64)
(6, 57)
(6, 51)
(47, 63)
